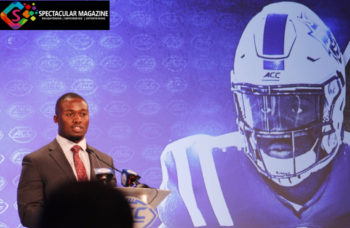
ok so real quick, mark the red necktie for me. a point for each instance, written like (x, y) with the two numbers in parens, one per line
(79, 165)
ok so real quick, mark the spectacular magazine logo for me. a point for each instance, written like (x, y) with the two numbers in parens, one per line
(18, 14)
(54, 15)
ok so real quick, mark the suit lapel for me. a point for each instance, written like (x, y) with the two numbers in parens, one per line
(56, 153)
(94, 163)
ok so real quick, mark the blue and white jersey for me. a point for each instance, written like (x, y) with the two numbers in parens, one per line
(214, 184)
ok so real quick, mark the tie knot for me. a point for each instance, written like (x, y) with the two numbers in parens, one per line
(76, 149)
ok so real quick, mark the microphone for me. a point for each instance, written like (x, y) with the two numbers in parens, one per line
(104, 175)
(129, 177)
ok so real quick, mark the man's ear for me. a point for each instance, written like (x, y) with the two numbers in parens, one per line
(55, 118)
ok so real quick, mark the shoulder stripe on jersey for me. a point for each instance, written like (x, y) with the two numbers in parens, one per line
(212, 184)
(203, 144)
(185, 183)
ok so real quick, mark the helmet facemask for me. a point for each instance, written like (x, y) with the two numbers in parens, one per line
(289, 129)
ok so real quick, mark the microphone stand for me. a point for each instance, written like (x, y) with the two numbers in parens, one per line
(132, 178)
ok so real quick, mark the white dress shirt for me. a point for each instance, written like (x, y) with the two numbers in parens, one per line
(66, 146)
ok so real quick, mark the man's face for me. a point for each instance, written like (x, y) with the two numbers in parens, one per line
(72, 118)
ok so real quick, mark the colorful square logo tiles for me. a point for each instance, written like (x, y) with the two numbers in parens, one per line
(17, 14)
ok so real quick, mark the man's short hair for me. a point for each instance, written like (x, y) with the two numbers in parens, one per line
(65, 96)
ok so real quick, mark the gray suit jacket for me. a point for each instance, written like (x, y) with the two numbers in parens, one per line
(42, 172)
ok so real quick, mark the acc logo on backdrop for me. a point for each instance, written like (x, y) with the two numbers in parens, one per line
(171, 20)
(148, 108)
(152, 152)
(179, 107)
(201, 19)
(140, 19)
(123, 153)
(85, 86)
(2, 158)
(204, 63)
(48, 109)
(80, 41)
(147, 86)
(115, 19)
(144, 215)
(17, 14)
(143, 42)
(52, 86)
(49, 63)
(18, 65)
(16, 41)
(22, 134)
(18, 155)
(150, 130)
(93, 108)
(145, 63)
(117, 108)
(2, 183)
(119, 131)
(18, 88)
(173, 41)
(176, 85)
(202, 42)
(15, 206)
(116, 86)
(175, 63)
(15, 180)
(113, 63)
(20, 111)
(3, 206)
(111, 42)
(48, 41)
(82, 63)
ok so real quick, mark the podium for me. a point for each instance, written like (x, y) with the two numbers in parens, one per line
(143, 202)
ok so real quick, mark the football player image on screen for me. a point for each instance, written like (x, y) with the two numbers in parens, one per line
(288, 165)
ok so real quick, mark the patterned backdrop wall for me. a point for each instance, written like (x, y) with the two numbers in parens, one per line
(159, 74)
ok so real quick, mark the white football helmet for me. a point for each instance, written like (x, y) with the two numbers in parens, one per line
(289, 89)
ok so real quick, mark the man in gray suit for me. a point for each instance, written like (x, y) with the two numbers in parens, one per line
(58, 163)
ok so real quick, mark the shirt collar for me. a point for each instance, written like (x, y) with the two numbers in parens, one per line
(66, 144)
